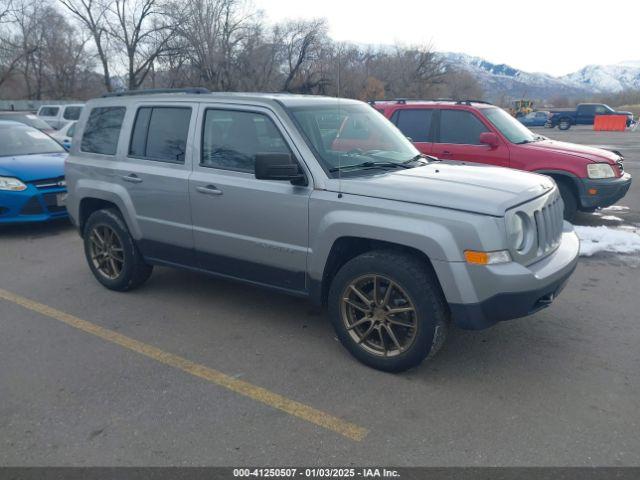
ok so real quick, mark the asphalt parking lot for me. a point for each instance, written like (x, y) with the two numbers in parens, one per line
(190, 370)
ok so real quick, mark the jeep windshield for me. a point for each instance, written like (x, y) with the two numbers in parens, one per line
(354, 138)
(509, 126)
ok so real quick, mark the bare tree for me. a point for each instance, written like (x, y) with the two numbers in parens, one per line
(257, 64)
(25, 19)
(5, 9)
(62, 56)
(216, 32)
(10, 53)
(222, 44)
(141, 29)
(300, 40)
(92, 15)
(461, 84)
(42, 55)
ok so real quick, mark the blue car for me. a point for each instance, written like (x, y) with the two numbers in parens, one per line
(535, 119)
(32, 186)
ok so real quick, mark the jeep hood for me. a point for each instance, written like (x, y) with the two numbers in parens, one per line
(593, 154)
(450, 184)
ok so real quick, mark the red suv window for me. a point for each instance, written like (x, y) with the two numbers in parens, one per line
(460, 127)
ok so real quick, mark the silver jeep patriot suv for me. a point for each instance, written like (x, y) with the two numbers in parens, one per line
(316, 197)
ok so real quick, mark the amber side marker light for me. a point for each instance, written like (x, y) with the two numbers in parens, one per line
(593, 191)
(487, 258)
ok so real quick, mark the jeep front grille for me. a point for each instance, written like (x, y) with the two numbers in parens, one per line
(548, 223)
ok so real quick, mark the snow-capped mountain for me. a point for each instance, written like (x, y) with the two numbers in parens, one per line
(499, 80)
(608, 78)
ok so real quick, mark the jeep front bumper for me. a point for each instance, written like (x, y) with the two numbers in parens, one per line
(490, 294)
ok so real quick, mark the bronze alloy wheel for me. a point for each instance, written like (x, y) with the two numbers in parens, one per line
(106, 251)
(379, 315)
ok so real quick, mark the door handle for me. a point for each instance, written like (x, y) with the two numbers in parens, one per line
(132, 177)
(209, 190)
(447, 152)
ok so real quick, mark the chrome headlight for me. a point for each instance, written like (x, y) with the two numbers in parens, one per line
(519, 230)
(600, 170)
(13, 184)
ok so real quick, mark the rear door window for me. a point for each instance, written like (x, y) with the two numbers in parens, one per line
(102, 130)
(160, 133)
(72, 113)
(460, 127)
(415, 123)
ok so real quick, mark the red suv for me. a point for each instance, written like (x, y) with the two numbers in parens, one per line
(475, 131)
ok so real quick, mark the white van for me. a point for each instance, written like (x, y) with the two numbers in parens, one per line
(59, 115)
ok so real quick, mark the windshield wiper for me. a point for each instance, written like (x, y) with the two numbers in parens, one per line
(537, 138)
(370, 165)
(421, 156)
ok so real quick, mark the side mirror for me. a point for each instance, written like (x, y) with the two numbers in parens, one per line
(489, 138)
(278, 166)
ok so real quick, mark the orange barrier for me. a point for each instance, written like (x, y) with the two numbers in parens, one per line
(610, 123)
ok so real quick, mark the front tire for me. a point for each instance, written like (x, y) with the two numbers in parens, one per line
(564, 125)
(570, 201)
(388, 310)
(111, 252)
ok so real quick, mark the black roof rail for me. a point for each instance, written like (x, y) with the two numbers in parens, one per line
(397, 100)
(403, 101)
(470, 101)
(151, 91)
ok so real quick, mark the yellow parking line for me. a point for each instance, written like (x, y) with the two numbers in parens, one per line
(297, 409)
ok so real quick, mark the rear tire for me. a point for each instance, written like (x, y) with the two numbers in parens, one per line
(570, 200)
(405, 299)
(111, 252)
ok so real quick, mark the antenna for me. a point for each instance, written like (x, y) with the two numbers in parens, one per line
(340, 154)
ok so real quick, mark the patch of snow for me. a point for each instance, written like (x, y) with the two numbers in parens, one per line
(616, 208)
(605, 239)
(612, 218)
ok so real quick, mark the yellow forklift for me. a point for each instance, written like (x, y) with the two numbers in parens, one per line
(521, 108)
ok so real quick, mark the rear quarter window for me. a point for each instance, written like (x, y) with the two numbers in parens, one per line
(72, 113)
(48, 111)
(102, 130)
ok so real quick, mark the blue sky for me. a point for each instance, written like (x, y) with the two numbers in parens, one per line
(556, 37)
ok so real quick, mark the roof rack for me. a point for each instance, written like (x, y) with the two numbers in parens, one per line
(403, 101)
(470, 101)
(151, 91)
